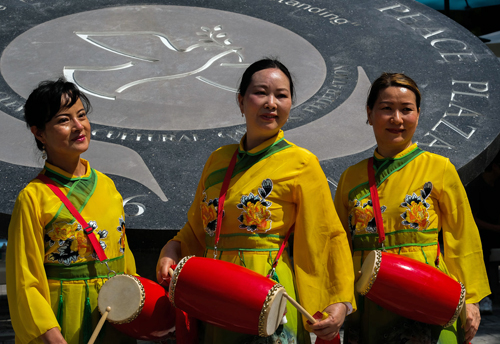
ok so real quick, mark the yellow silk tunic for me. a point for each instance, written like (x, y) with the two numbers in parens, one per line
(48, 253)
(274, 186)
(420, 194)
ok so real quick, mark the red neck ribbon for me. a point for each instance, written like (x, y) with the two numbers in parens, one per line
(220, 210)
(86, 227)
(222, 198)
(375, 202)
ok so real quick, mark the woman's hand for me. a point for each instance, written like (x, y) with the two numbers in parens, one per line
(169, 255)
(473, 320)
(53, 336)
(329, 328)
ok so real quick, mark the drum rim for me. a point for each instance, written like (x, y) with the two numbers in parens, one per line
(141, 305)
(461, 303)
(264, 313)
(378, 262)
(175, 277)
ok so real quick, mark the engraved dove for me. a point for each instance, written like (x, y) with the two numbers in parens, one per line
(209, 40)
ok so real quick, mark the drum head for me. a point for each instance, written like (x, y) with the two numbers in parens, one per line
(125, 295)
(173, 280)
(272, 311)
(369, 271)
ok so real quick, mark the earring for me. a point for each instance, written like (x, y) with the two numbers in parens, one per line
(44, 153)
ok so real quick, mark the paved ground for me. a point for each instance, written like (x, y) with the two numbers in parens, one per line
(489, 331)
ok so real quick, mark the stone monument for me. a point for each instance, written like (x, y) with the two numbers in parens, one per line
(162, 78)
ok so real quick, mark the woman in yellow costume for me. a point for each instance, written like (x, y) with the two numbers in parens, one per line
(420, 194)
(53, 275)
(275, 186)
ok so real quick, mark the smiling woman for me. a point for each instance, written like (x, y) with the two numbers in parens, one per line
(266, 104)
(394, 117)
(66, 135)
(53, 273)
(276, 188)
(420, 195)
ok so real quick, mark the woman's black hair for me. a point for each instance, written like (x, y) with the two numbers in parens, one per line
(45, 102)
(265, 63)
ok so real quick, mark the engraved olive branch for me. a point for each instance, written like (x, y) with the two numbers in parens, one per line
(212, 36)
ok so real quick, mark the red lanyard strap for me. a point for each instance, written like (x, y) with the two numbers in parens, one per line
(86, 227)
(220, 211)
(222, 198)
(280, 252)
(378, 213)
(375, 202)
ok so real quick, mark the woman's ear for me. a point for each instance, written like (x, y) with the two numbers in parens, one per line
(240, 102)
(368, 115)
(39, 134)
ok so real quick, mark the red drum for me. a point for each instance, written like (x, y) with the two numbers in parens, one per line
(227, 295)
(411, 289)
(140, 307)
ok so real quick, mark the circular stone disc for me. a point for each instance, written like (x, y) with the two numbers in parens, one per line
(162, 80)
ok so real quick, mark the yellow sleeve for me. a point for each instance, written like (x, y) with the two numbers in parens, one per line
(192, 235)
(341, 205)
(27, 288)
(322, 257)
(129, 259)
(463, 253)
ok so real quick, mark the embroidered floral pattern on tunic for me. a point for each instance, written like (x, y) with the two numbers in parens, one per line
(416, 215)
(209, 214)
(73, 242)
(361, 217)
(121, 229)
(256, 215)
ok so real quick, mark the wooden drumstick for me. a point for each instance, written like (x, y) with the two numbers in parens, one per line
(99, 325)
(357, 276)
(300, 308)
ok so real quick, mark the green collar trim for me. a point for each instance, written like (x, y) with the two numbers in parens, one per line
(62, 179)
(80, 192)
(245, 161)
(383, 169)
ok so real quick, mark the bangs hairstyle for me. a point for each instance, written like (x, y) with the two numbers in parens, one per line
(45, 102)
(257, 66)
(392, 79)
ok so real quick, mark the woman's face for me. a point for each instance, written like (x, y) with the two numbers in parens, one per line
(394, 118)
(266, 103)
(67, 134)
